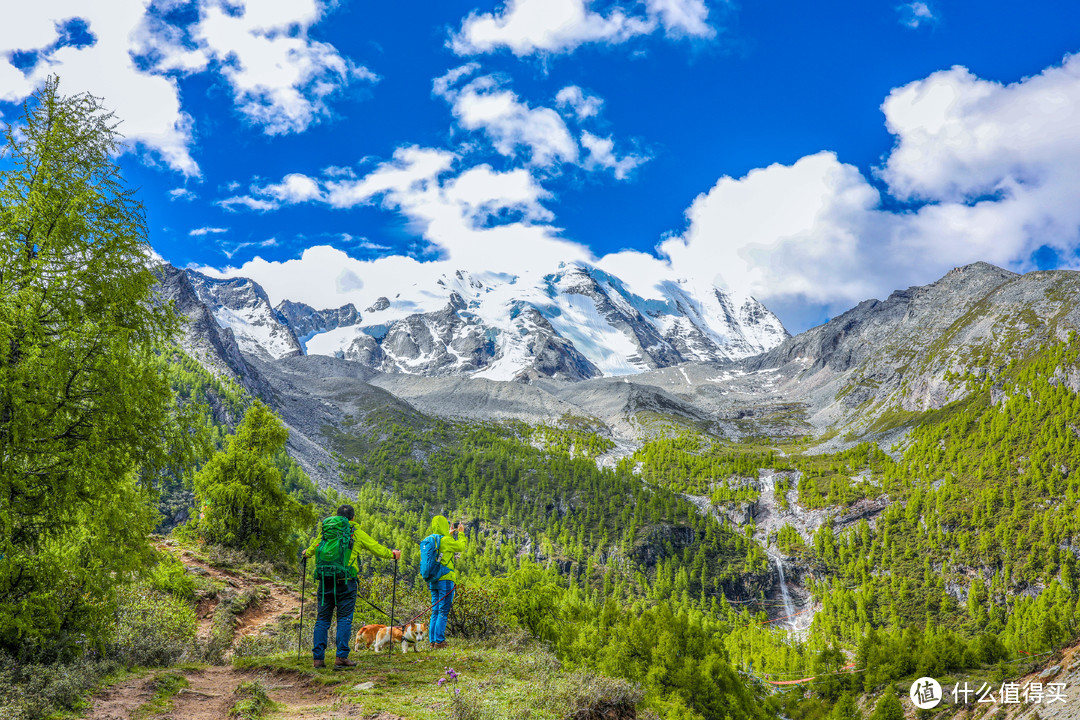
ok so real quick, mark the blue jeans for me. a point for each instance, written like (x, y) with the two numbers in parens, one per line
(340, 595)
(440, 589)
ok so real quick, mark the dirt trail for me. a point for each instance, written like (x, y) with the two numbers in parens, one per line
(211, 691)
(280, 601)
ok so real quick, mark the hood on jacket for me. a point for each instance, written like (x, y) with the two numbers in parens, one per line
(440, 525)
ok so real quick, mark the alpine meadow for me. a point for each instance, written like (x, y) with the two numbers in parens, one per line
(224, 493)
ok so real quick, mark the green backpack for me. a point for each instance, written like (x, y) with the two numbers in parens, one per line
(335, 549)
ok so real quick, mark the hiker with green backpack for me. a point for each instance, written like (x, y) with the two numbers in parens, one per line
(437, 568)
(337, 564)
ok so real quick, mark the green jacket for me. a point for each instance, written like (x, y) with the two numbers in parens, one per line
(447, 546)
(360, 540)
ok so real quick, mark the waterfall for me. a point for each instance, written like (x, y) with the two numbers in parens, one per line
(789, 609)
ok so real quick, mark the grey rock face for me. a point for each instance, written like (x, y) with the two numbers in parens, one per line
(453, 341)
(552, 355)
(213, 346)
(241, 305)
(912, 350)
(379, 304)
(306, 321)
(575, 324)
(652, 350)
(439, 343)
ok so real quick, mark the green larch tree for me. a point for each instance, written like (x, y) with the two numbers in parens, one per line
(244, 504)
(86, 416)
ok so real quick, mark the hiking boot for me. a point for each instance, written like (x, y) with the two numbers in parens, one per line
(343, 662)
(320, 663)
(439, 645)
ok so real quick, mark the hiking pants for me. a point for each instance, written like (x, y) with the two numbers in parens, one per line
(440, 589)
(342, 596)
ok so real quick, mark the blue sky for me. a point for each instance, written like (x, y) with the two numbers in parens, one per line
(743, 143)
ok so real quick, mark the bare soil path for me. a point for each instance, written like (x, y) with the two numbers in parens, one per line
(211, 691)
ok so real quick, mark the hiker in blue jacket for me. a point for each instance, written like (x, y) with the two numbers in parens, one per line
(339, 590)
(443, 584)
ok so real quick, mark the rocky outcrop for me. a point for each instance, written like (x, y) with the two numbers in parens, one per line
(654, 543)
(306, 321)
(913, 351)
(210, 344)
(243, 306)
(573, 324)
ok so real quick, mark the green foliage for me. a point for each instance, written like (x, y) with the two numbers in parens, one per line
(165, 687)
(789, 540)
(604, 548)
(984, 511)
(244, 505)
(845, 709)
(694, 464)
(34, 690)
(152, 627)
(888, 707)
(170, 576)
(575, 440)
(479, 609)
(252, 703)
(86, 419)
(830, 480)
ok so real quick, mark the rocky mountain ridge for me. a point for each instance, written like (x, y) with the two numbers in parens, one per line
(573, 324)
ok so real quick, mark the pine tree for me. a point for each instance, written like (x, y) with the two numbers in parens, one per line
(888, 707)
(86, 416)
(845, 709)
(244, 505)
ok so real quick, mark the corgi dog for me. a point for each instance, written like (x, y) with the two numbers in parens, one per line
(367, 636)
(412, 635)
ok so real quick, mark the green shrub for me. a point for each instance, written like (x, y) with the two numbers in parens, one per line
(32, 690)
(585, 696)
(479, 610)
(170, 576)
(152, 627)
(244, 505)
(253, 702)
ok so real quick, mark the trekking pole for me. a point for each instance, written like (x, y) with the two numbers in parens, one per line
(393, 602)
(303, 592)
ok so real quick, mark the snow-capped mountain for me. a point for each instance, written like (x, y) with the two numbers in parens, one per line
(306, 322)
(575, 323)
(242, 306)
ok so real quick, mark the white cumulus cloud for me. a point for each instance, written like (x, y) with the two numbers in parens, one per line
(280, 77)
(583, 104)
(512, 125)
(992, 171)
(526, 27)
(147, 103)
(602, 155)
(540, 135)
(476, 216)
(128, 53)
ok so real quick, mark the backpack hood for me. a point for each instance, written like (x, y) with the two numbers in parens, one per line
(440, 525)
